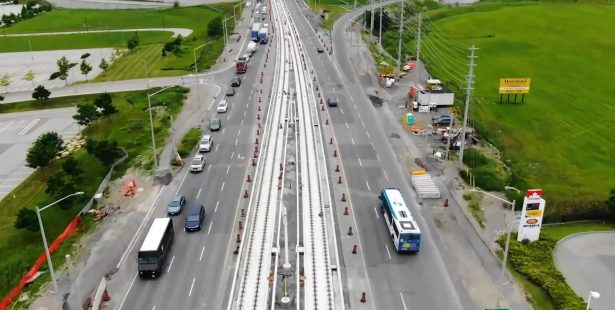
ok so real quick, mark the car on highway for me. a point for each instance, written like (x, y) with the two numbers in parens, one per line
(236, 81)
(197, 164)
(320, 49)
(230, 91)
(194, 217)
(332, 102)
(442, 120)
(176, 205)
(215, 124)
(265, 25)
(222, 106)
(205, 143)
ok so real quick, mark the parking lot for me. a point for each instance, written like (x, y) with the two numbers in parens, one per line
(18, 131)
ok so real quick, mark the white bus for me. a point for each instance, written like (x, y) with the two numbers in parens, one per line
(404, 231)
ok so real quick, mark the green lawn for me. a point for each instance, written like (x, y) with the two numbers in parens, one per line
(189, 141)
(559, 139)
(336, 9)
(130, 127)
(51, 103)
(129, 66)
(557, 232)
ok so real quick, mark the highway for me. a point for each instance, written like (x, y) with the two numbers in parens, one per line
(200, 263)
(368, 163)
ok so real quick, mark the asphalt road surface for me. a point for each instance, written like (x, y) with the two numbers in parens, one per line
(18, 131)
(587, 261)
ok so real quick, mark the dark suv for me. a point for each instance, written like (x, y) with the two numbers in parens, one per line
(195, 217)
(332, 102)
(235, 82)
(215, 124)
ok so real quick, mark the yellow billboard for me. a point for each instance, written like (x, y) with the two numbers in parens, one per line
(515, 85)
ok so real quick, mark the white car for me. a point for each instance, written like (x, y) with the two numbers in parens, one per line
(205, 143)
(197, 164)
(222, 106)
(265, 25)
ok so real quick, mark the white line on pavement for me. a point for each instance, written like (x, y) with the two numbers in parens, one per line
(236, 142)
(171, 264)
(347, 125)
(376, 211)
(244, 114)
(29, 126)
(191, 287)
(386, 176)
(342, 110)
(356, 108)
(388, 253)
(7, 126)
(208, 230)
(208, 167)
(402, 300)
(198, 194)
(228, 116)
(217, 145)
(154, 308)
(223, 130)
(368, 188)
(233, 155)
(373, 146)
(351, 139)
(222, 188)
(362, 122)
(203, 251)
(239, 132)
(129, 287)
(360, 163)
(216, 209)
(378, 156)
(367, 133)
(228, 168)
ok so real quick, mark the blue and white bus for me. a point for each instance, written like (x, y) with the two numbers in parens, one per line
(404, 231)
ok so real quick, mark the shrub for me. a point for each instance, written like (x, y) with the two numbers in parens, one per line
(189, 141)
(54, 76)
(535, 262)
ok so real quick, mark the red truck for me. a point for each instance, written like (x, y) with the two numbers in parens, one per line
(241, 65)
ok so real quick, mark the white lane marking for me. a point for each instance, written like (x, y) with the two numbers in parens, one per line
(368, 136)
(377, 156)
(222, 188)
(198, 194)
(216, 209)
(217, 145)
(342, 110)
(388, 253)
(239, 132)
(362, 122)
(208, 167)
(359, 114)
(386, 176)
(191, 287)
(228, 116)
(209, 229)
(171, 264)
(203, 251)
(244, 114)
(347, 125)
(236, 142)
(233, 155)
(356, 108)
(373, 147)
(7, 126)
(29, 126)
(223, 130)
(402, 300)
(250, 97)
(368, 188)
(128, 291)
(228, 168)
(154, 308)
(376, 211)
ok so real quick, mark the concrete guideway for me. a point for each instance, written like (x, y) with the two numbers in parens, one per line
(587, 262)
(176, 31)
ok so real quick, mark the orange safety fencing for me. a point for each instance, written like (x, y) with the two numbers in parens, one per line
(68, 232)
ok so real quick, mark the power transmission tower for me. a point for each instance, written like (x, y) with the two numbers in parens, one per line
(470, 83)
(401, 32)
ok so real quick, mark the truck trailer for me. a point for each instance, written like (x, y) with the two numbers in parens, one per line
(155, 248)
(263, 36)
(256, 27)
(251, 48)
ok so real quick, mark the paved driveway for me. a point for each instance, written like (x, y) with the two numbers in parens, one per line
(587, 260)
(18, 131)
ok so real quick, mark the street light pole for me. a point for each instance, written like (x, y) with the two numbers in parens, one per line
(592, 294)
(508, 227)
(40, 223)
(151, 123)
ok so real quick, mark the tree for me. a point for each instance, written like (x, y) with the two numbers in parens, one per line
(85, 68)
(59, 185)
(44, 150)
(41, 93)
(610, 203)
(26, 218)
(63, 67)
(86, 113)
(5, 80)
(105, 103)
(71, 167)
(214, 27)
(104, 65)
(133, 42)
(1, 98)
(30, 76)
(106, 151)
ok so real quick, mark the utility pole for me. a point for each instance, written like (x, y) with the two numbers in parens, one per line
(401, 32)
(224, 31)
(418, 49)
(380, 27)
(371, 24)
(470, 83)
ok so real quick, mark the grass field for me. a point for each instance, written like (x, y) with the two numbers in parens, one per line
(129, 127)
(195, 18)
(336, 9)
(557, 232)
(559, 139)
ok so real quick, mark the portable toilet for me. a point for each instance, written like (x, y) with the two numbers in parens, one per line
(409, 119)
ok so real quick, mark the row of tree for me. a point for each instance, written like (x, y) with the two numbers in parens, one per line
(49, 146)
(31, 9)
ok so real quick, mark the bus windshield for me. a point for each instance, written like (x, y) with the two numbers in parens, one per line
(410, 236)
